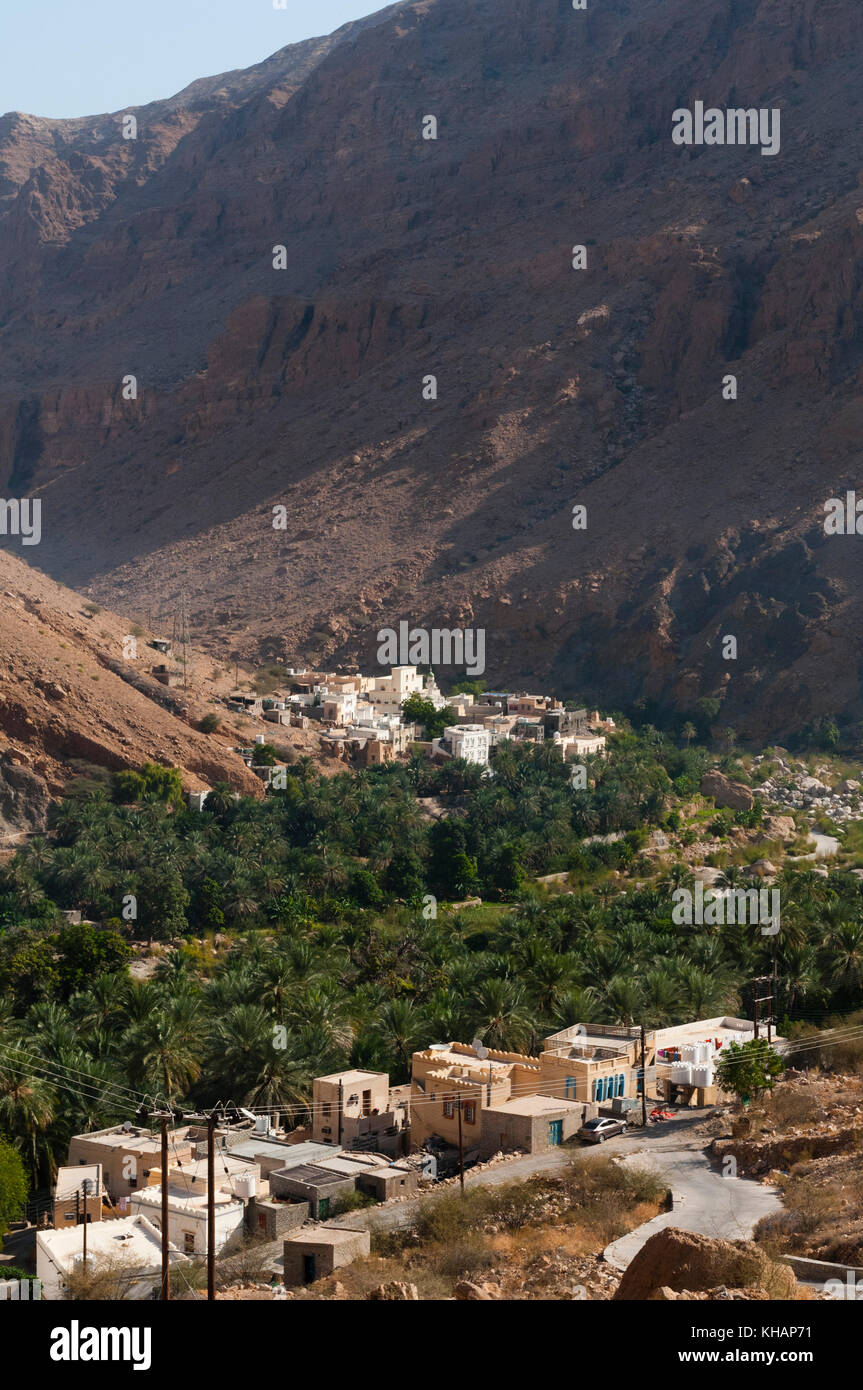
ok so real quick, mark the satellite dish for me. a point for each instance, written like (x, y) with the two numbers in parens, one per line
(127, 1125)
(480, 1049)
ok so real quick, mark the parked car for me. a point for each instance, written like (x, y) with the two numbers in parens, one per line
(596, 1131)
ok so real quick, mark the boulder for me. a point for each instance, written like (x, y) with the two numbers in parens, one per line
(727, 793)
(684, 1260)
(779, 827)
(467, 1291)
(396, 1291)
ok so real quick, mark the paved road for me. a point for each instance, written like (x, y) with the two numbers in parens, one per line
(658, 1144)
(704, 1201)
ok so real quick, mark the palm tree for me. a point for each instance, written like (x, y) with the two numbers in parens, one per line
(661, 998)
(28, 1104)
(499, 1016)
(844, 956)
(163, 1059)
(402, 1029)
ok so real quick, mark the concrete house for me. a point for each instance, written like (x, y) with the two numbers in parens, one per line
(314, 1253)
(129, 1155)
(469, 741)
(187, 1216)
(513, 1101)
(313, 1183)
(355, 1108)
(132, 1243)
(78, 1195)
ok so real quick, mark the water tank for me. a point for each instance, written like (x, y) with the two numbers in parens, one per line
(246, 1186)
(703, 1053)
(681, 1073)
(262, 1124)
(260, 738)
(702, 1076)
(687, 1053)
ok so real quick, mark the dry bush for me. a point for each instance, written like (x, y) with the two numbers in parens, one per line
(786, 1107)
(104, 1279)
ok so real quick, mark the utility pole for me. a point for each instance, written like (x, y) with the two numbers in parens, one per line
(460, 1147)
(643, 1082)
(341, 1098)
(211, 1206)
(86, 1188)
(768, 999)
(166, 1282)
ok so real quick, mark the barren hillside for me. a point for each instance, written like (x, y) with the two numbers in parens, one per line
(62, 706)
(408, 257)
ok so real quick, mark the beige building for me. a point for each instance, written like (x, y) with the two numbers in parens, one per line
(315, 1252)
(355, 1107)
(128, 1155)
(78, 1191)
(509, 1100)
(447, 1075)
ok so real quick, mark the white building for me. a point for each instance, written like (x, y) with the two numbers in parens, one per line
(469, 741)
(187, 1214)
(583, 745)
(131, 1242)
(388, 693)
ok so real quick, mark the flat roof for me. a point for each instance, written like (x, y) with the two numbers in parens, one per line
(135, 1138)
(349, 1077)
(291, 1153)
(536, 1105)
(181, 1200)
(129, 1237)
(197, 1168)
(69, 1181)
(323, 1235)
(311, 1173)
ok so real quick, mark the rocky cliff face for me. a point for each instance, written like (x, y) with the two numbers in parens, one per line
(407, 258)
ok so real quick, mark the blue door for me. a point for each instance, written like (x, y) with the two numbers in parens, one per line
(555, 1132)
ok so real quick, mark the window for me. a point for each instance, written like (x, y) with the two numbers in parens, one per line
(621, 1084)
(470, 1113)
(189, 1242)
(598, 1089)
(367, 1103)
(68, 1216)
(447, 1109)
(570, 1088)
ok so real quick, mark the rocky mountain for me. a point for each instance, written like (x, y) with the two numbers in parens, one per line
(74, 697)
(407, 258)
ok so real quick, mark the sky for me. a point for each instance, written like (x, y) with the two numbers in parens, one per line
(65, 58)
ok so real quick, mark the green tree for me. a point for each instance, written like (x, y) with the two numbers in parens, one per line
(13, 1186)
(748, 1069)
(416, 710)
(85, 952)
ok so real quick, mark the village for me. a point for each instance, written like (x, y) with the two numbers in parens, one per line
(299, 1192)
(362, 720)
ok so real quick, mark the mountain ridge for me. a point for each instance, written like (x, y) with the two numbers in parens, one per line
(304, 387)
